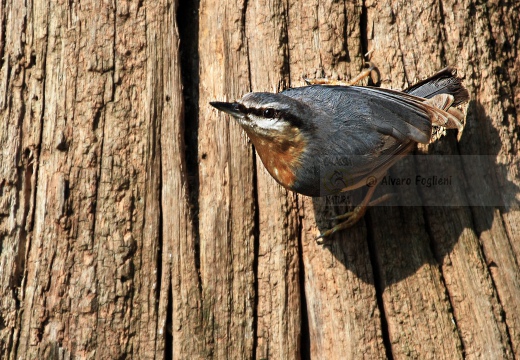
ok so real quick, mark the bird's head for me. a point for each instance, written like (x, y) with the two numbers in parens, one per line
(279, 128)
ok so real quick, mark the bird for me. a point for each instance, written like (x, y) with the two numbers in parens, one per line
(322, 139)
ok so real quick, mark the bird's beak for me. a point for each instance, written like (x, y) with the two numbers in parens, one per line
(230, 108)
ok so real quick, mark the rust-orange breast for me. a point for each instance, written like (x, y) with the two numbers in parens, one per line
(281, 155)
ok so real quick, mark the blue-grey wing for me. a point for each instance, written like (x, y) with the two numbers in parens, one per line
(356, 109)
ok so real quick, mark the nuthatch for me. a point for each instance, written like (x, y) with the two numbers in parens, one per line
(301, 132)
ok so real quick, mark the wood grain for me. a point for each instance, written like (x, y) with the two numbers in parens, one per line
(136, 221)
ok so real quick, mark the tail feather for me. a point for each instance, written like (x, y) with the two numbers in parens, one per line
(443, 82)
(449, 117)
(441, 101)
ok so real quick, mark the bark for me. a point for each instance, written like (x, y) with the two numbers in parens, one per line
(137, 222)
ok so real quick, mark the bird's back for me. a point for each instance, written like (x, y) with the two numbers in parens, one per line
(359, 130)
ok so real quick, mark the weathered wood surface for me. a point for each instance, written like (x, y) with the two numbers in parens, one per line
(137, 222)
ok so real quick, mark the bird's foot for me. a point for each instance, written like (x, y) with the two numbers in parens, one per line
(351, 217)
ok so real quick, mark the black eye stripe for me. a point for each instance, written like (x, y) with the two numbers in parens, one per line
(260, 112)
(264, 112)
(242, 109)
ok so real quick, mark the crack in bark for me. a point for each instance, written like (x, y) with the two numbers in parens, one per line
(256, 220)
(256, 252)
(157, 154)
(305, 340)
(114, 53)
(168, 340)
(442, 33)
(160, 243)
(243, 19)
(5, 85)
(443, 281)
(3, 33)
(376, 269)
(372, 252)
(26, 187)
(363, 24)
(363, 27)
(402, 58)
(286, 53)
(188, 25)
(23, 162)
(188, 32)
(501, 311)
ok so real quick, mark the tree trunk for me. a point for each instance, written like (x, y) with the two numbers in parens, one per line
(137, 222)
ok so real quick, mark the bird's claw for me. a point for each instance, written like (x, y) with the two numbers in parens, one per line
(352, 217)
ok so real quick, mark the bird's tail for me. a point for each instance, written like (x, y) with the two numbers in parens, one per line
(443, 82)
(443, 90)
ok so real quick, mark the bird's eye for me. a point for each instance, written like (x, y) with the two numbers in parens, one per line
(269, 113)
